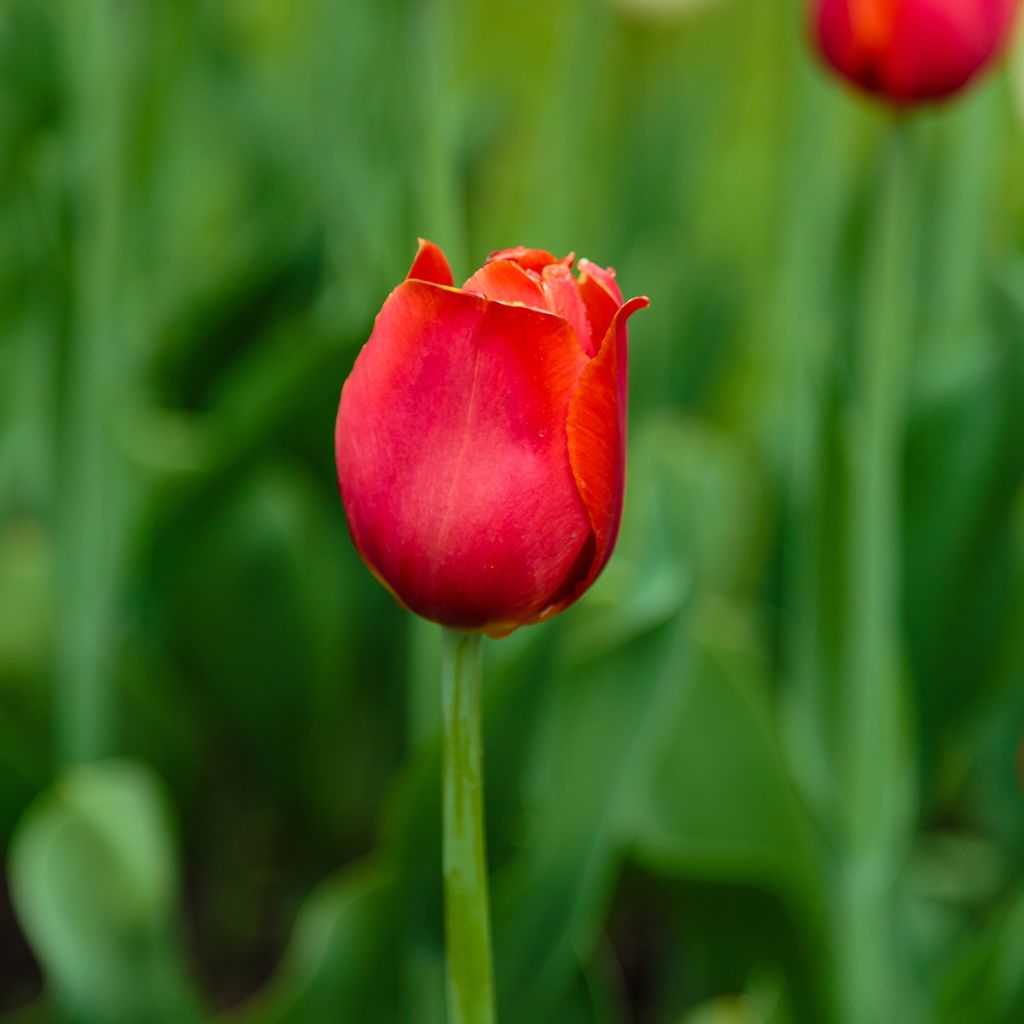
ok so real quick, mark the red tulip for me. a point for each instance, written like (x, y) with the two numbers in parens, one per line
(480, 439)
(911, 51)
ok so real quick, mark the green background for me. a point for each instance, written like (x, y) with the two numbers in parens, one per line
(766, 771)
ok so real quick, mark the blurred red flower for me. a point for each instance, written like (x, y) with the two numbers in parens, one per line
(911, 51)
(480, 439)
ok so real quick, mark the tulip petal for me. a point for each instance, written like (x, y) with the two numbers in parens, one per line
(529, 259)
(553, 289)
(430, 264)
(597, 437)
(507, 281)
(563, 297)
(601, 297)
(452, 448)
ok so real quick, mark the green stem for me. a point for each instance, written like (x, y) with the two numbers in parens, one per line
(467, 911)
(877, 771)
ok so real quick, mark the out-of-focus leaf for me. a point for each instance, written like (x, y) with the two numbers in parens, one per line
(720, 802)
(984, 980)
(994, 778)
(959, 540)
(720, 805)
(593, 999)
(94, 881)
(758, 1008)
(340, 962)
(277, 609)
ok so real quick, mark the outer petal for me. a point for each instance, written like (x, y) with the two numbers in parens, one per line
(597, 438)
(453, 458)
(430, 264)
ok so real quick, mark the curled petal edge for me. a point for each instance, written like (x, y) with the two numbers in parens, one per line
(598, 455)
(431, 265)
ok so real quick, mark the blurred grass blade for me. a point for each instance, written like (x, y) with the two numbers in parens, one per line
(799, 329)
(91, 524)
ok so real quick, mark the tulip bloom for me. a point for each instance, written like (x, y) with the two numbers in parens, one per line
(911, 51)
(480, 438)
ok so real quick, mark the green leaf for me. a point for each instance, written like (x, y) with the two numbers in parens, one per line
(94, 882)
(720, 805)
(984, 981)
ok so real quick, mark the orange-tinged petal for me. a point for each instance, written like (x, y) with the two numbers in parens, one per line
(874, 21)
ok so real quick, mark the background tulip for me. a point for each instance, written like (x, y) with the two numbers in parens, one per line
(911, 51)
(481, 437)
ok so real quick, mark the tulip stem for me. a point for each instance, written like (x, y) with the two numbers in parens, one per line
(878, 775)
(466, 903)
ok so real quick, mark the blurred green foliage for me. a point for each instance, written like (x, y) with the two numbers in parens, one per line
(219, 790)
